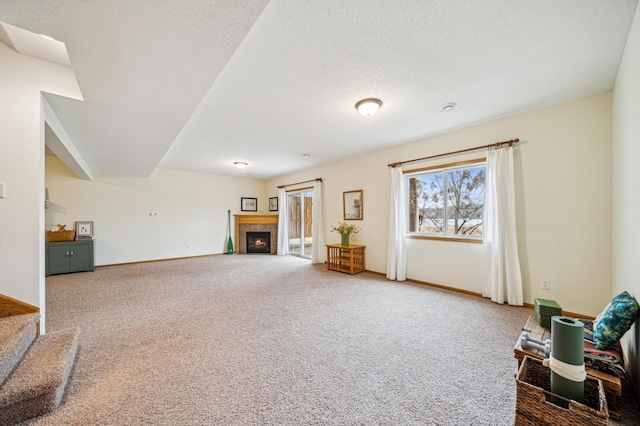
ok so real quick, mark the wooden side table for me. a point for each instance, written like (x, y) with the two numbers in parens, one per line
(349, 259)
(612, 385)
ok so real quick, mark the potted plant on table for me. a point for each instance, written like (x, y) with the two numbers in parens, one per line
(345, 230)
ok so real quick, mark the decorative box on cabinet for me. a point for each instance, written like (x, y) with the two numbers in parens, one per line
(69, 256)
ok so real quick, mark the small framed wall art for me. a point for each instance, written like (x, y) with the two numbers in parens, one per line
(248, 204)
(84, 229)
(273, 204)
(353, 205)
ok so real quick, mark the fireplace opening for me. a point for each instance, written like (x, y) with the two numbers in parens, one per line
(258, 242)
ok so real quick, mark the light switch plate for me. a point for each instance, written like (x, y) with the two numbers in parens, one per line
(3, 190)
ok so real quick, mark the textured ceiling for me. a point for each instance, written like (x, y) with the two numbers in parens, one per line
(196, 85)
(37, 45)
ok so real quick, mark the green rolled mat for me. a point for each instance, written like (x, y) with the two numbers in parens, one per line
(567, 346)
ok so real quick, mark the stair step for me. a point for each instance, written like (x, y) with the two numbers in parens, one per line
(17, 333)
(37, 385)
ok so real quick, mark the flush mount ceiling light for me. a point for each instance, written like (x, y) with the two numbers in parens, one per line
(448, 107)
(240, 164)
(305, 155)
(368, 107)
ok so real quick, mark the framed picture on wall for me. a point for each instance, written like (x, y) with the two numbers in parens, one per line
(248, 204)
(353, 205)
(273, 204)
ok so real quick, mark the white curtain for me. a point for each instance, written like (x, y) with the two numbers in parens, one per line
(283, 223)
(502, 276)
(318, 254)
(397, 253)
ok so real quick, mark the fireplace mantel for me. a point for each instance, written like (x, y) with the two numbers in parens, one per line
(256, 222)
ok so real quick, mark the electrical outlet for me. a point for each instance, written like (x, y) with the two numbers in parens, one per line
(188, 246)
(545, 284)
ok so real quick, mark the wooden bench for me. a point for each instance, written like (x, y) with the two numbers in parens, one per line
(611, 384)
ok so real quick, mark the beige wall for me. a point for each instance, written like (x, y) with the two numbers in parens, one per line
(21, 169)
(191, 211)
(563, 183)
(626, 178)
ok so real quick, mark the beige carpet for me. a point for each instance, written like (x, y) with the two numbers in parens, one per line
(274, 340)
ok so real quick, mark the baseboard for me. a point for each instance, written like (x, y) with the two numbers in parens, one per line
(565, 313)
(159, 260)
(473, 293)
(10, 307)
(411, 280)
(443, 287)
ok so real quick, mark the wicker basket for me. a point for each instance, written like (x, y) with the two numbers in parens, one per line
(55, 236)
(533, 389)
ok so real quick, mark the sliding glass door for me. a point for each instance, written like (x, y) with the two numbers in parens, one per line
(300, 217)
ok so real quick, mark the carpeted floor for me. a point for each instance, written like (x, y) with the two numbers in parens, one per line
(274, 340)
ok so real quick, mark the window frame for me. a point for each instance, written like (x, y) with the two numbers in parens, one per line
(443, 168)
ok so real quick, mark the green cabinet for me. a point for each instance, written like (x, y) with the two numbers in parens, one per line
(69, 256)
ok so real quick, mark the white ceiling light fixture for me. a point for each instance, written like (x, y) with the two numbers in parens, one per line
(369, 106)
(240, 164)
(448, 107)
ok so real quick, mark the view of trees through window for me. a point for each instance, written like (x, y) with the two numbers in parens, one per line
(447, 202)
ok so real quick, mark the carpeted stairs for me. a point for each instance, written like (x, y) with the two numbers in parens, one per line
(34, 370)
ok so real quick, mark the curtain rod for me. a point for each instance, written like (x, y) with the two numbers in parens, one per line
(491, 145)
(304, 181)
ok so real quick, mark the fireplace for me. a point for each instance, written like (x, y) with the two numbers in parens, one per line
(258, 242)
(255, 223)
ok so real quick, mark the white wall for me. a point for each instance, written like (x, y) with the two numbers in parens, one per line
(22, 79)
(191, 211)
(563, 183)
(626, 178)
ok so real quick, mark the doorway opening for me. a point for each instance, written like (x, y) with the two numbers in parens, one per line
(300, 217)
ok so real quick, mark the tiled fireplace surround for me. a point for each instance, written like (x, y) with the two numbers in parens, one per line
(255, 223)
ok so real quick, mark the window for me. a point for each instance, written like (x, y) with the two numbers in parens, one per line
(448, 201)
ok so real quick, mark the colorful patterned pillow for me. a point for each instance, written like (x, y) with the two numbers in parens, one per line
(616, 318)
